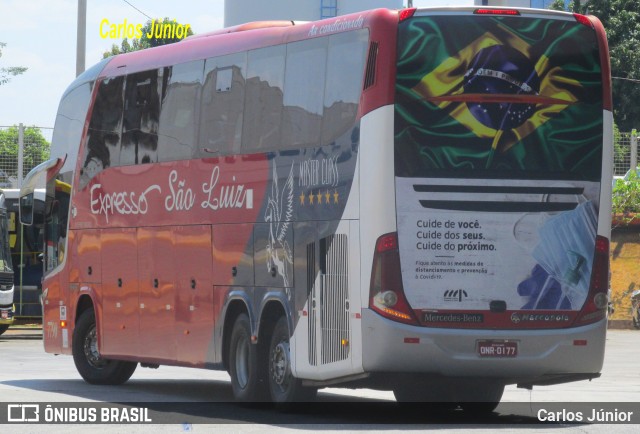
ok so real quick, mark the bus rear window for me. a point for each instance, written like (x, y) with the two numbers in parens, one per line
(508, 97)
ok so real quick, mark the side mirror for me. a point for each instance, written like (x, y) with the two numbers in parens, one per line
(37, 178)
(26, 209)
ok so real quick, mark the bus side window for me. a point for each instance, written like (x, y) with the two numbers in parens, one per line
(222, 104)
(345, 69)
(304, 82)
(141, 117)
(264, 99)
(180, 114)
(103, 138)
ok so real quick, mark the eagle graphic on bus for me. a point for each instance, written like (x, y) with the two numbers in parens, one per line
(278, 214)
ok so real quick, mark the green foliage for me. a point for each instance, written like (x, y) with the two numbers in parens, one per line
(36, 148)
(621, 20)
(10, 71)
(125, 47)
(575, 6)
(626, 197)
(144, 41)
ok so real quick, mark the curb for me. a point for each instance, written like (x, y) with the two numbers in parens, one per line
(620, 324)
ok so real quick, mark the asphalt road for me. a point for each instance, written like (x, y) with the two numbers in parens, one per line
(184, 399)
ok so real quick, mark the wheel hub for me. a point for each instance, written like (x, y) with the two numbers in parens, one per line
(91, 350)
(242, 363)
(281, 367)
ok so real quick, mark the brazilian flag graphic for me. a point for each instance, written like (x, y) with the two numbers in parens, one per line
(498, 97)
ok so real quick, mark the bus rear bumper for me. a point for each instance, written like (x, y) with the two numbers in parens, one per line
(543, 356)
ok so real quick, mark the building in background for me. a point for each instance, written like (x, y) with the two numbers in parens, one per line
(244, 11)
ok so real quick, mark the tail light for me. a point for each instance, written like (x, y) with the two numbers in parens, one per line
(406, 14)
(595, 308)
(510, 12)
(386, 295)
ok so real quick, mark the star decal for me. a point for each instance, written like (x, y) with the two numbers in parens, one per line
(319, 198)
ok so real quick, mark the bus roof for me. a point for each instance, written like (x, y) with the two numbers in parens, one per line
(238, 38)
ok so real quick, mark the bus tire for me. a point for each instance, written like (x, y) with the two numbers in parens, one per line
(283, 386)
(245, 364)
(92, 367)
(3, 328)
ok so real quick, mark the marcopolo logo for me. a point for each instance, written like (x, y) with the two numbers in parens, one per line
(455, 295)
(517, 318)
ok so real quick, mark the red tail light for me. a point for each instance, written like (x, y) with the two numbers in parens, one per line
(386, 295)
(406, 14)
(496, 12)
(595, 308)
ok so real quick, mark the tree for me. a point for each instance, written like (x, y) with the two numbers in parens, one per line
(10, 71)
(36, 149)
(154, 41)
(125, 47)
(575, 6)
(152, 27)
(621, 20)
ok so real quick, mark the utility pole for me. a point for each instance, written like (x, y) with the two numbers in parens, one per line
(81, 40)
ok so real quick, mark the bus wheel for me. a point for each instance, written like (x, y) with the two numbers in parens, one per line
(3, 328)
(244, 363)
(89, 363)
(284, 387)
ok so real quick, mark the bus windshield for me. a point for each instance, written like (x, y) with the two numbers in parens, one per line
(5, 253)
(508, 97)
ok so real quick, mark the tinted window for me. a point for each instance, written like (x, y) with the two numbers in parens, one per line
(141, 116)
(222, 104)
(264, 98)
(345, 65)
(179, 115)
(103, 138)
(68, 130)
(304, 92)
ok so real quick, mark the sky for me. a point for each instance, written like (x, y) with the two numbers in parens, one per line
(41, 35)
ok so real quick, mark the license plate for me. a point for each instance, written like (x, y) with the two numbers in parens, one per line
(497, 348)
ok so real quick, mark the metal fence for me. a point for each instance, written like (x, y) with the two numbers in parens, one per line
(21, 149)
(625, 153)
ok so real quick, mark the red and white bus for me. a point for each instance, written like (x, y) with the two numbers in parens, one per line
(412, 200)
